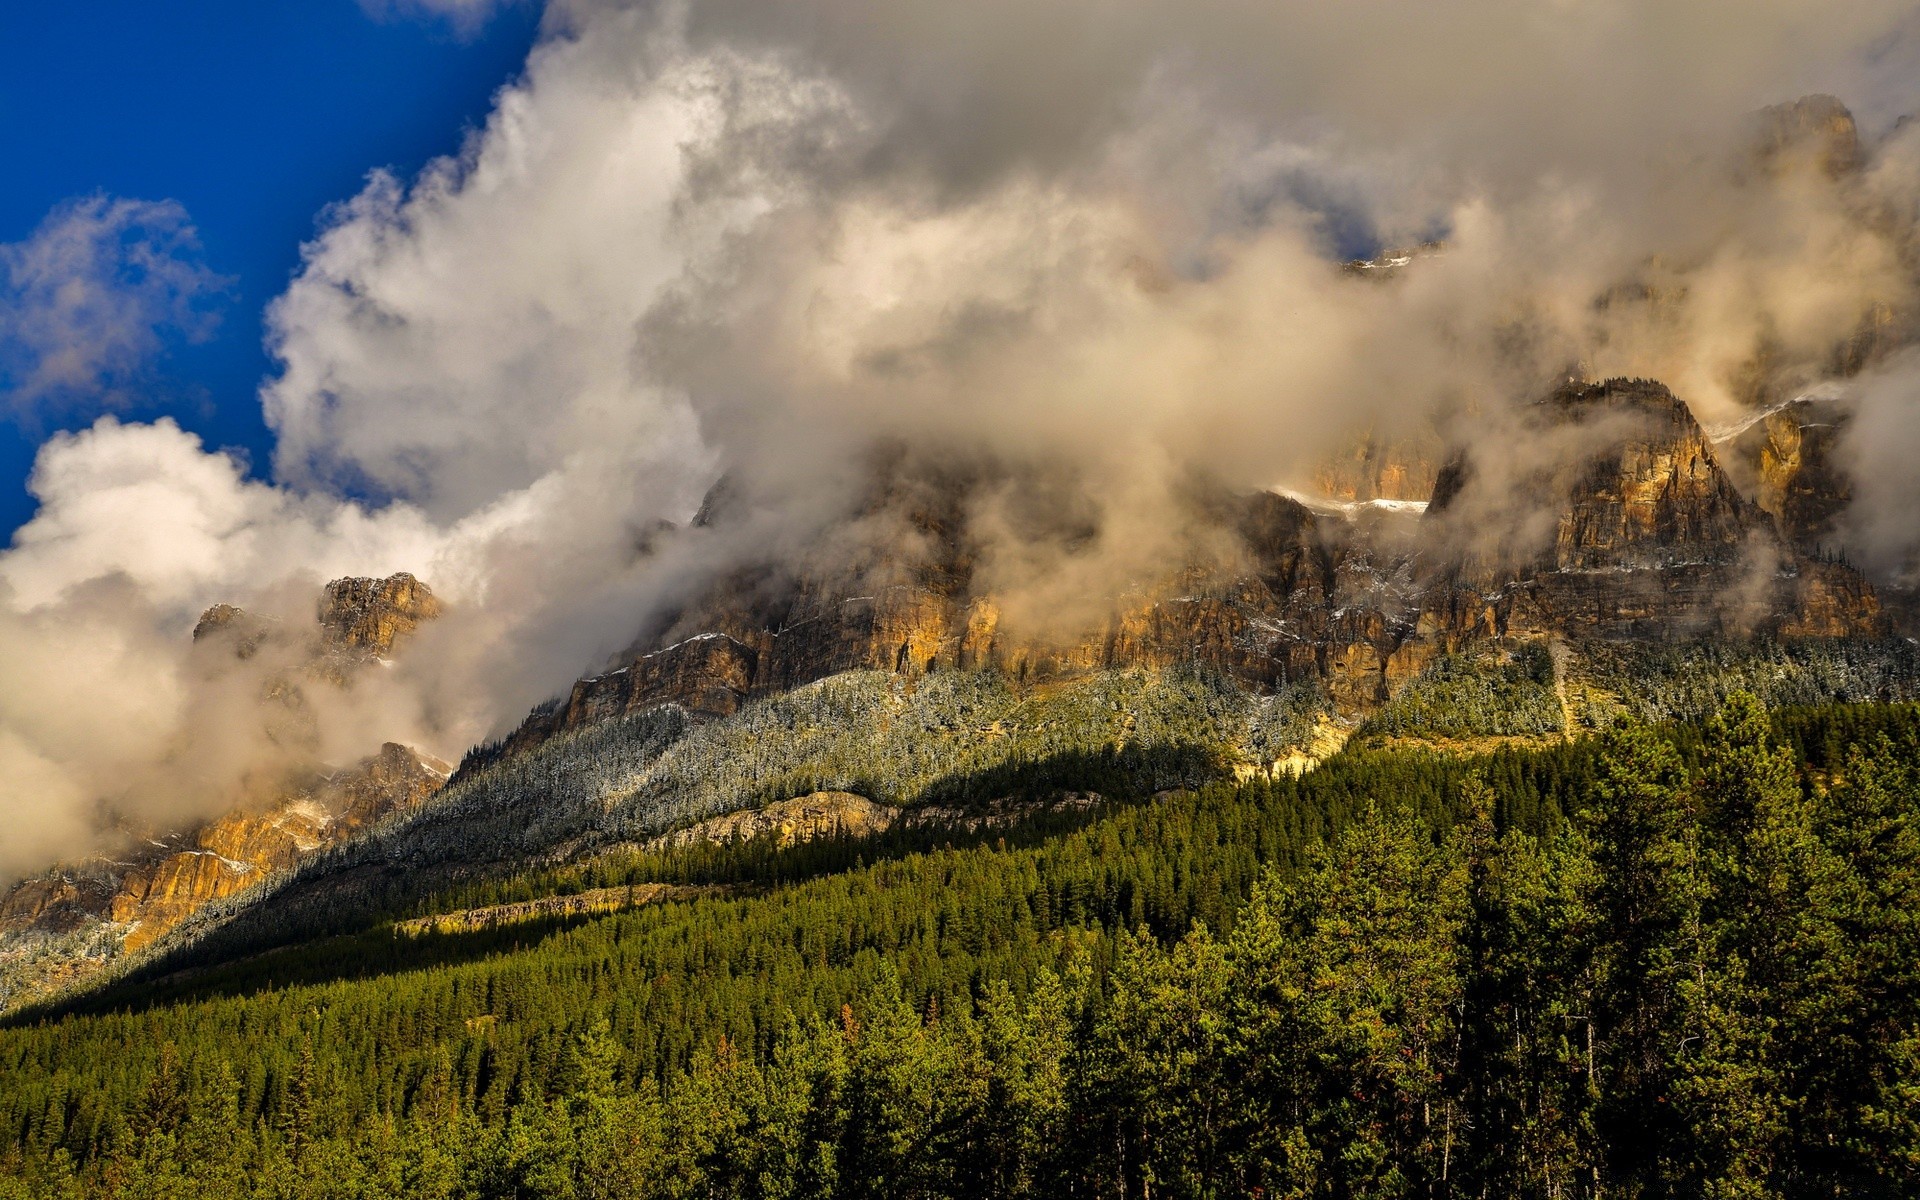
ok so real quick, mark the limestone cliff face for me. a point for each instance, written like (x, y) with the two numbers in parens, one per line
(1292, 596)
(1638, 532)
(135, 897)
(1815, 130)
(241, 849)
(1650, 539)
(801, 819)
(372, 615)
(1384, 467)
(1788, 462)
(1653, 495)
(63, 901)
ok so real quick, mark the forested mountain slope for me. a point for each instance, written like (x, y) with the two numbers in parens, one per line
(949, 746)
(1670, 962)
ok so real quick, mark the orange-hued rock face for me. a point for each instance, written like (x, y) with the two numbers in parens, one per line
(1383, 467)
(373, 615)
(1650, 540)
(242, 849)
(801, 819)
(158, 884)
(1642, 534)
(357, 620)
(1788, 462)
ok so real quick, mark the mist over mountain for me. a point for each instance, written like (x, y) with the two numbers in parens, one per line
(1024, 337)
(874, 598)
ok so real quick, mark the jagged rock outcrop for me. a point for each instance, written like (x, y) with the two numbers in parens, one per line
(1787, 460)
(228, 625)
(243, 848)
(1648, 538)
(128, 901)
(801, 819)
(357, 620)
(1402, 467)
(1818, 130)
(372, 615)
(1296, 596)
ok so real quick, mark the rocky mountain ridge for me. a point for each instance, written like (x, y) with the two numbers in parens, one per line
(1630, 527)
(61, 925)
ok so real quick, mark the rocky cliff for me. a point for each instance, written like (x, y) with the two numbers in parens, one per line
(371, 616)
(244, 847)
(1648, 538)
(1625, 526)
(1380, 466)
(58, 927)
(68, 923)
(1787, 461)
(1814, 130)
(800, 819)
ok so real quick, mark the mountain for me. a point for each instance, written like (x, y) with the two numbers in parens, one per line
(1637, 581)
(1649, 538)
(1818, 130)
(1644, 536)
(842, 853)
(1400, 467)
(1525, 596)
(1786, 458)
(61, 926)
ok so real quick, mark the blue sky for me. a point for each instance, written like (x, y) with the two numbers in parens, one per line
(253, 115)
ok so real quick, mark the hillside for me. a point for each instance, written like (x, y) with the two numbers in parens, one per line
(941, 1014)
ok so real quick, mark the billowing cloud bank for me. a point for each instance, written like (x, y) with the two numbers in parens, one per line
(1105, 238)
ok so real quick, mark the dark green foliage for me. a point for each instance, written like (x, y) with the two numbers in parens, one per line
(1485, 693)
(1691, 680)
(1674, 963)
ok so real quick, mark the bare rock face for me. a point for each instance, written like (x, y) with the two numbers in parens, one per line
(372, 615)
(1654, 495)
(1816, 130)
(1650, 539)
(242, 849)
(1787, 461)
(1283, 595)
(1384, 467)
(226, 624)
(132, 899)
(357, 620)
(1626, 526)
(62, 901)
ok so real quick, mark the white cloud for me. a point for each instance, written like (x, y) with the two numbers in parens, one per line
(92, 295)
(463, 337)
(465, 16)
(1028, 226)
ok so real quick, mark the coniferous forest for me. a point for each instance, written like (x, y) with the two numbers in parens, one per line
(1674, 960)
